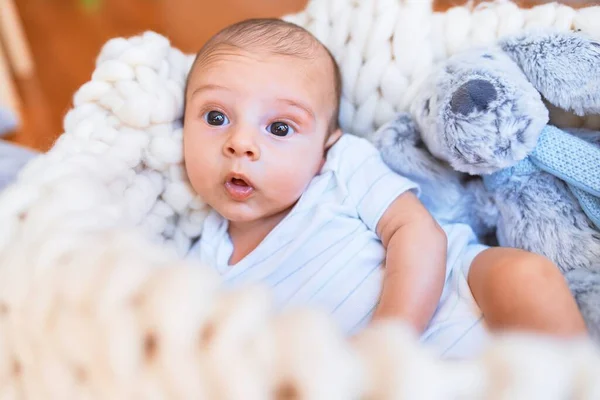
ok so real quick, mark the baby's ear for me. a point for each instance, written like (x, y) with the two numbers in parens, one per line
(563, 66)
(333, 137)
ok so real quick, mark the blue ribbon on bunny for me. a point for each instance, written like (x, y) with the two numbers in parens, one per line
(568, 157)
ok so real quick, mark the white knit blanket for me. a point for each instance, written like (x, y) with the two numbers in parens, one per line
(96, 302)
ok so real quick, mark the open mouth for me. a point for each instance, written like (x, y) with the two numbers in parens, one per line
(239, 182)
(238, 188)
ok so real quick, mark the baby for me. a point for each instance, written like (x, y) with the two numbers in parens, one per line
(319, 218)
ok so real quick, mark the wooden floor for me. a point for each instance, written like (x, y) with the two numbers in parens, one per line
(65, 39)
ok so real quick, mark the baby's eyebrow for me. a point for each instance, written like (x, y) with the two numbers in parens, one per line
(304, 108)
(209, 86)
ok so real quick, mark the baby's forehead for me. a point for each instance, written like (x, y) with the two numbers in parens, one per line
(316, 64)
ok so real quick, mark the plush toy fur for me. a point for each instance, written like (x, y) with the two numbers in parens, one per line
(482, 111)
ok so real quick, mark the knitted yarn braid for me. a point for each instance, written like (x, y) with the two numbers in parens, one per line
(96, 301)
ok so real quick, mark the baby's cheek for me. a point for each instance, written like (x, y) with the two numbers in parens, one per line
(198, 173)
(292, 184)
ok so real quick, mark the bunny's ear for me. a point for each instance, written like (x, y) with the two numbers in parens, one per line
(563, 66)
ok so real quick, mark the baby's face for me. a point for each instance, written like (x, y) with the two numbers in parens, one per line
(255, 131)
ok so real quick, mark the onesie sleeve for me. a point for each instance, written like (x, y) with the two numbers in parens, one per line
(371, 185)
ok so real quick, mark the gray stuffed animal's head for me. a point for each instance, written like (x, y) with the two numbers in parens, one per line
(483, 110)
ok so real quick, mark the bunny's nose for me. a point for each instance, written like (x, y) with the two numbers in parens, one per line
(476, 94)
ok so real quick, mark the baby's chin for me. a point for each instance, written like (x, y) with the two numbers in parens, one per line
(239, 212)
(249, 213)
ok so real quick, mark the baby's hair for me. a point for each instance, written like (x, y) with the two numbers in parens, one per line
(272, 35)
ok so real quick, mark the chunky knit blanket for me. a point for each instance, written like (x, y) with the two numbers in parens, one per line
(96, 300)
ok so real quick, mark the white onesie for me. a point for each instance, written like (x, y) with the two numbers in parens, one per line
(325, 253)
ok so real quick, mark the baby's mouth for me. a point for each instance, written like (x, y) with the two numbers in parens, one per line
(239, 182)
(238, 188)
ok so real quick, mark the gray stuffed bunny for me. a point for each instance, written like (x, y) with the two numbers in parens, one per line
(484, 113)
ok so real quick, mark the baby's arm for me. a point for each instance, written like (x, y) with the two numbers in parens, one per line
(415, 267)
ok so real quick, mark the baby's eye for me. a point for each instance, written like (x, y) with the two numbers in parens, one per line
(215, 118)
(280, 129)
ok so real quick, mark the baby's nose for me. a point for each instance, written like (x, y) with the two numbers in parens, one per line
(475, 94)
(248, 152)
(240, 145)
